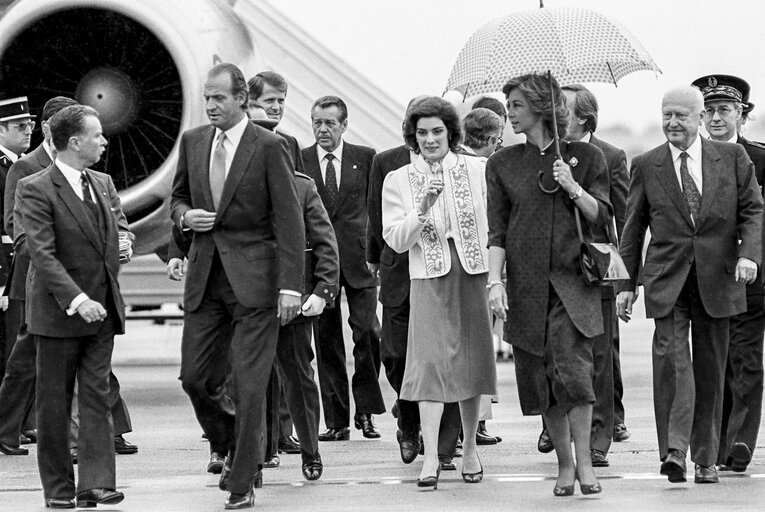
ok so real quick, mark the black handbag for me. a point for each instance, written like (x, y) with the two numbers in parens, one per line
(600, 261)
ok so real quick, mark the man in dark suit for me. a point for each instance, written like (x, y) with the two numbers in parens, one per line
(234, 188)
(608, 410)
(341, 173)
(77, 235)
(16, 127)
(702, 204)
(724, 98)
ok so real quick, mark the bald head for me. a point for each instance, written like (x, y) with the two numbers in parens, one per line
(682, 113)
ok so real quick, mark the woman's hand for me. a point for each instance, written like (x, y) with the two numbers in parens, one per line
(498, 301)
(432, 192)
(562, 174)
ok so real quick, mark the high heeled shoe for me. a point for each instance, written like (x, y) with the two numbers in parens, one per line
(473, 478)
(589, 488)
(563, 490)
(429, 481)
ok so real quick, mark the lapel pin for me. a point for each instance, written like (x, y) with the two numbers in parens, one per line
(355, 166)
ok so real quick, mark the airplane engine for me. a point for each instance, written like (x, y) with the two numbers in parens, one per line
(142, 65)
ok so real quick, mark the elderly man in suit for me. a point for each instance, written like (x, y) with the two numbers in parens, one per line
(724, 102)
(341, 173)
(234, 188)
(701, 202)
(77, 236)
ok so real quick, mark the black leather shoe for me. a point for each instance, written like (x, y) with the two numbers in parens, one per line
(621, 433)
(409, 446)
(446, 463)
(240, 501)
(93, 497)
(122, 447)
(225, 472)
(365, 423)
(288, 444)
(599, 459)
(312, 470)
(59, 503)
(429, 482)
(673, 466)
(215, 466)
(12, 450)
(740, 456)
(482, 437)
(31, 434)
(272, 461)
(706, 475)
(24, 439)
(335, 434)
(545, 444)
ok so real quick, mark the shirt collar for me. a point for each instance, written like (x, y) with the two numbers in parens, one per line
(338, 152)
(587, 137)
(468, 149)
(234, 134)
(734, 139)
(48, 149)
(10, 154)
(71, 174)
(694, 150)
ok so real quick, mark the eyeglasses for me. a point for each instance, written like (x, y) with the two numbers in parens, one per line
(723, 110)
(22, 127)
(499, 141)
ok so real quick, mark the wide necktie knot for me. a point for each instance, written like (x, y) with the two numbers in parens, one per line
(218, 170)
(330, 183)
(690, 190)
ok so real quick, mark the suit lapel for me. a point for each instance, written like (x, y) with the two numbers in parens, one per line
(313, 170)
(76, 208)
(103, 202)
(667, 177)
(203, 147)
(239, 165)
(710, 176)
(349, 173)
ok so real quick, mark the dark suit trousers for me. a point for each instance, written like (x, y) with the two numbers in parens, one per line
(17, 392)
(120, 414)
(618, 383)
(59, 362)
(330, 352)
(603, 382)
(688, 378)
(252, 346)
(742, 402)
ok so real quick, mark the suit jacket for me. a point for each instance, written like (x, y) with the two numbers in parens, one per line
(756, 151)
(69, 255)
(5, 260)
(394, 267)
(731, 210)
(349, 216)
(294, 149)
(616, 161)
(258, 231)
(27, 165)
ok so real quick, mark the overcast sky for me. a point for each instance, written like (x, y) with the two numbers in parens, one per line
(408, 47)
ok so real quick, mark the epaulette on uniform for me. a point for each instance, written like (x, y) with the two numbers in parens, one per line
(5, 161)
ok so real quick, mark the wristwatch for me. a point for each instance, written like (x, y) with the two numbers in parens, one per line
(577, 194)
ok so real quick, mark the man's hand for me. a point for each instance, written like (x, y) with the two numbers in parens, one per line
(314, 305)
(374, 269)
(624, 302)
(746, 270)
(289, 306)
(198, 220)
(498, 301)
(175, 269)
(91, 311)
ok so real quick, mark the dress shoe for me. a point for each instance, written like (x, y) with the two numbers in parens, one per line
(482, 437)
(240, 501)
(599, 459)
(12, 450)
(24, 439)
(429, 482)
(335, 434)
(93, 497)
(673, 466)
(409, 446)
(215, 466)
(272, 461)
(590, 488)
(458, 450)
(312, 470)
(446, 463)
(706, 475)
(367, 426)
(59, 503)
(621, 433)
(563, 490)
(289, 445)
(394, 410)
(545, 444)
(473, 478)
(740, 456)
(225, 472)
(31, 434)
(122, 447)
(257, 483)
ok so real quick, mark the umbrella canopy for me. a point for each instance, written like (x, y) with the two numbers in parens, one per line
(575, 44)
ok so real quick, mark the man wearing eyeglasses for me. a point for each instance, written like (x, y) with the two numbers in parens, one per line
(16, 127)
(726, 100)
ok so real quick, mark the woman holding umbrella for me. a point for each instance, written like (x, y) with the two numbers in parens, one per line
(551, 315)
(435, 209)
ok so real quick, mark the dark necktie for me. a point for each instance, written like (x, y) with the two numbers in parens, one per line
(218, 170)
(330, 182)
(87, 200)
(691, 193)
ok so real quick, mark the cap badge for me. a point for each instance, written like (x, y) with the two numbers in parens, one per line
(712, 81)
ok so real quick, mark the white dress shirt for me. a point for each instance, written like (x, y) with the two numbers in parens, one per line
(48, 150)
(10, 154)
(337, 162)
(694, 162)
(233, 136)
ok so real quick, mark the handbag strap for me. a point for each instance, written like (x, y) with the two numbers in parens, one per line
(610, 231)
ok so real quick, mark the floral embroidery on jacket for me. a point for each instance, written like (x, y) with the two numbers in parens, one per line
(432, 249)
(466, 217)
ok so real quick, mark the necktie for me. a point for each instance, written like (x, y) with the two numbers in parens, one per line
(330, 182)
(218, 170)
(691, 193)
(85, 184)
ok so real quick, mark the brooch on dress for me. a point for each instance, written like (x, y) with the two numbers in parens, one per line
(573, 161)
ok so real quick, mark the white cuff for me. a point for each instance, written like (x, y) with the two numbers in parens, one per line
(72, 309)
(291, 292)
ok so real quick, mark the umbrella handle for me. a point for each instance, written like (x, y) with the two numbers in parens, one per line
(550, 191)
(556, 138)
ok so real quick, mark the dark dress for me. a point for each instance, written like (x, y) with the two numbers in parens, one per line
(553, 316)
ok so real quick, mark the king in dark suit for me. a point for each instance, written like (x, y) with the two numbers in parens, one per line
(234, 188)
(701, 202)
(74, 222)
(341, 173)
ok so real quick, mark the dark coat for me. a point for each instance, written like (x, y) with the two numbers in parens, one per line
(538, 233)
(349, 216)
(756, 152)
(5, 260)
(731, 210)
(616, 163)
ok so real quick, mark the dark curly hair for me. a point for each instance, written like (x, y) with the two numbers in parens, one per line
(432, 106)
(536, 89)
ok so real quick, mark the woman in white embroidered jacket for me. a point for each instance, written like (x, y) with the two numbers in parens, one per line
(435, 208)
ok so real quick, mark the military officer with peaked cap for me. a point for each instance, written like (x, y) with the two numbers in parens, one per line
(726, 101)
(16, 127)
